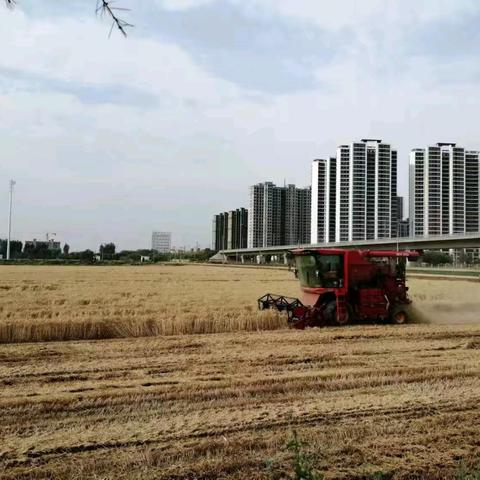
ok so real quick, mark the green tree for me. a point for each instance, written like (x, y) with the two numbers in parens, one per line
(465, 258)
(87, 256)
(37, 250)
(128, 256)
(15, 248)
(107, 251)
(436, 258)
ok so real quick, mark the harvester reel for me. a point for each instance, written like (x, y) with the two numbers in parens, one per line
(293, 306)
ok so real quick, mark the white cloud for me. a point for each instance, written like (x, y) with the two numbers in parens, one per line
(78, 51)
(182, 4)
(337, 14)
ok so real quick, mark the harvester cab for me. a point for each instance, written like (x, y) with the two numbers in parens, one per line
(346, 286)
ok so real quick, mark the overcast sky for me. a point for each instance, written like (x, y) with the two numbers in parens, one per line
(109, 139)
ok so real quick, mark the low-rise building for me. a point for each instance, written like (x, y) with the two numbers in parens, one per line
(41, 244)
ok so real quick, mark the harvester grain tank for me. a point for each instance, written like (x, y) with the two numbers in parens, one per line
(346, 286)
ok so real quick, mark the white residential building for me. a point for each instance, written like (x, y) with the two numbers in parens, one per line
(444, 190)
(354, 194)
(162, 242)
(324, 193)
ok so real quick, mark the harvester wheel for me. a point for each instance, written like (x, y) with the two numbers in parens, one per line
(347, 318)
(399, 315)
(330, 313)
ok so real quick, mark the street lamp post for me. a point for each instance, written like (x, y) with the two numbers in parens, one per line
(398, 233)
(12, 183)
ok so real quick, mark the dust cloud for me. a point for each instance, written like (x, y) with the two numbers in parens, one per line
(445, 302)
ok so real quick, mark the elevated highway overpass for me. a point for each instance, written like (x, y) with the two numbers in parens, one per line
(433, 242)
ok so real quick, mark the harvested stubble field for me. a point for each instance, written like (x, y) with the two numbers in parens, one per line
(404, 401)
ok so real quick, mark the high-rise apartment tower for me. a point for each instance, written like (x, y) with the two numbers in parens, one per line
(229, 230)
(161, 241)
(444, 190)
(354, 194)
(278, 215)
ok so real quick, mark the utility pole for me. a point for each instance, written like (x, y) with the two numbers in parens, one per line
(12, 183)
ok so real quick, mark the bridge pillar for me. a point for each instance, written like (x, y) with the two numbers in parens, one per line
(242, 258)
(260, 259)
(285, 259)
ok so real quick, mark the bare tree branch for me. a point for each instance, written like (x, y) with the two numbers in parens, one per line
(104, 7)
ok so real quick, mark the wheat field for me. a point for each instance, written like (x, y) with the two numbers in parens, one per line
(72, 303)
(159, 395)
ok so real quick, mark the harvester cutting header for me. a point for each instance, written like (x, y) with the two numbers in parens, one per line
(345, 286)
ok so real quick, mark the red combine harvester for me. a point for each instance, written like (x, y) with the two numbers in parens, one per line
(344, 286)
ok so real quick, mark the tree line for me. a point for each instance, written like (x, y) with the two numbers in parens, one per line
(436, 258)
(107, 252)
(32, 250)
